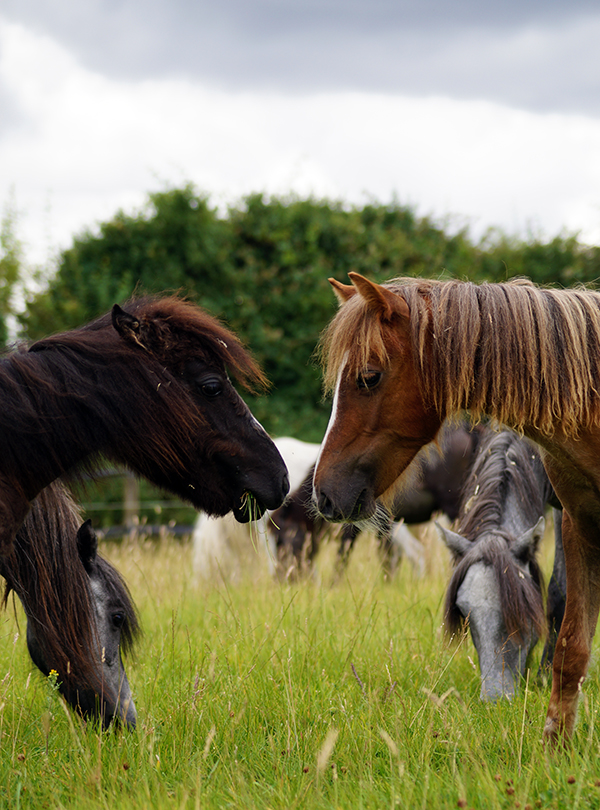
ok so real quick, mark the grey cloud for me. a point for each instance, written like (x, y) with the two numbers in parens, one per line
(539, 55)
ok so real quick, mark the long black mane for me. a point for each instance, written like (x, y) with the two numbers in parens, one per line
(46, 572)
(504, 464)
(37, 416)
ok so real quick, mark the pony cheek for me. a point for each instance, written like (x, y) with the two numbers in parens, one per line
(391, 461)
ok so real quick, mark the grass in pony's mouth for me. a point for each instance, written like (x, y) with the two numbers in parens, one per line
(247, 501)
(249, 506)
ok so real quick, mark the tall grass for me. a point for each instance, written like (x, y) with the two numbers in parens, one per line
(311, 695)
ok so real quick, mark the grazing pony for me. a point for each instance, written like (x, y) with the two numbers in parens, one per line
(79, 612)
(436, 480)
(147, 387)
(434, 485)
(496, 587)
(403, 356)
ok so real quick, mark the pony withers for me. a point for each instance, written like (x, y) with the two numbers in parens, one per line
(404, 356)
(148, 387)
(80, 616)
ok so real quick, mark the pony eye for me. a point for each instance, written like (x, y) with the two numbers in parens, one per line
(212, 388)
(368, 380)
(118, 620)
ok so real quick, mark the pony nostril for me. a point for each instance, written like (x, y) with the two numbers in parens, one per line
(325, 506)
(359, 509)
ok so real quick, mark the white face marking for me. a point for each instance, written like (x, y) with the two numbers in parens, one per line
(257, 424)
(333, 417)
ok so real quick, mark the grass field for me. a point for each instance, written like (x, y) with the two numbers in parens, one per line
(315, 695)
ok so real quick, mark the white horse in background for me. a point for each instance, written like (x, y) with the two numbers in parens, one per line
(224, 548)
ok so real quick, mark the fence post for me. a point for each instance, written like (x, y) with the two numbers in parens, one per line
(131, 500)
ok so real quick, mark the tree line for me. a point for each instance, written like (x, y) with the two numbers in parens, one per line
(262, 267)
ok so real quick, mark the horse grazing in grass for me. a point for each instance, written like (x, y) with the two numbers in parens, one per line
(79, 612)
(146, 386)
(403, 356)
(435, 485)
(496, 587)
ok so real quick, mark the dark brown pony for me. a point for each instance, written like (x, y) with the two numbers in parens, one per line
(404, 356)
(80, 616)
(147, 387)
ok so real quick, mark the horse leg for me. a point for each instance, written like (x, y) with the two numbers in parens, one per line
(389, 551)
(573, 645)
(348, 537)
(311, 546)
(557, 591)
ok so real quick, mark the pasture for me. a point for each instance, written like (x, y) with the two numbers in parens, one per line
(303, 695)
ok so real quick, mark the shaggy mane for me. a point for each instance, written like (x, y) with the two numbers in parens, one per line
(505, 465)
(162, 316)
(34, 379)
(47, 574)
(521, 600)
(526, 355)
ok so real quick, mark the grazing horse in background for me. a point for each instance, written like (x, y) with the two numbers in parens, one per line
(404, 356)
(80, 615)
(496, 587)
(147, 387)
(436, 479)
(434, 484)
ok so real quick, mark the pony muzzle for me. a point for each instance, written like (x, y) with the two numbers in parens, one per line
(347, 506)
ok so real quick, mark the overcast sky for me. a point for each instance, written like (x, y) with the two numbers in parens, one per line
(479, 114)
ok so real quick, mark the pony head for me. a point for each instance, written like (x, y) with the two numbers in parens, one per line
(114, 628)
(379, 419)
(148, 386)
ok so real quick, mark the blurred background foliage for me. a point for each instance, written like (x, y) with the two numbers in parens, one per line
(262, 267)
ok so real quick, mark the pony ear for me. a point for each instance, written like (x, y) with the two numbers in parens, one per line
(379, 298)
(127, 325)
(457, 544)
(526, 545)
(343, 292)
(87, 544)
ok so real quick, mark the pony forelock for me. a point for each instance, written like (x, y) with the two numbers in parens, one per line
(353, 338)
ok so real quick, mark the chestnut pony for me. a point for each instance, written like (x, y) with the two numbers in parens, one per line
(403, 356)
(148, 387)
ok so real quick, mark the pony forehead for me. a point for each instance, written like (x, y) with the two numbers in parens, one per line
(354, 337)
(185, 318)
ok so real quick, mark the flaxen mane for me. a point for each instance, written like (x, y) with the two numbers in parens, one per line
(524, 354)
(504, 464)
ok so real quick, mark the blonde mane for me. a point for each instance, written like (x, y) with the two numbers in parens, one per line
(526, 355)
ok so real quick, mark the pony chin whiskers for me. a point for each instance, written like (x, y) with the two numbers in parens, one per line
(378, 521)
